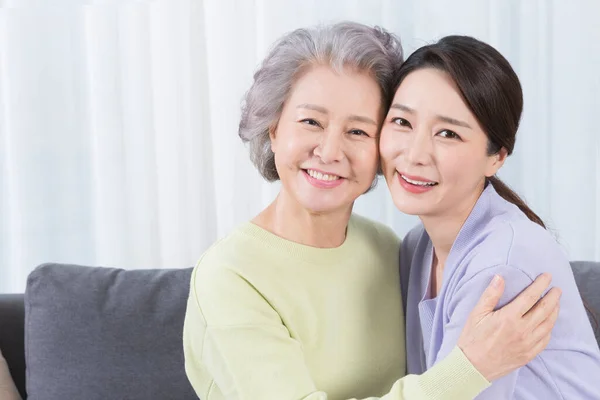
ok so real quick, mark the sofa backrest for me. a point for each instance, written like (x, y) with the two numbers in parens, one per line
(94, 332)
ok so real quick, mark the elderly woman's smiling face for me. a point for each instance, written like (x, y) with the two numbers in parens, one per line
(325, 141)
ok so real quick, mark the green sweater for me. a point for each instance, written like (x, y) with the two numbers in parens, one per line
(272, 319)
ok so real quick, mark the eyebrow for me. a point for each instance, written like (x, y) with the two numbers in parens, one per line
(443, 118)
(323, 110)
(402, 107)
(314, 107)
(366, 120)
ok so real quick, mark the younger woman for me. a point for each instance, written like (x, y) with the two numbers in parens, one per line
(452, 123)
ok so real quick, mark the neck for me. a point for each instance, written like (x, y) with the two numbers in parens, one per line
(287, 219)
(443, 229)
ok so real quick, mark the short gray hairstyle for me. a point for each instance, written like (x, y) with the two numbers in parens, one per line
(343, 45)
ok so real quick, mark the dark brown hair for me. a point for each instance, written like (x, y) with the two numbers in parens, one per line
(490, 88)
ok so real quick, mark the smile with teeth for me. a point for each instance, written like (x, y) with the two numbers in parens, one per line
(418, 183)
(322, 177)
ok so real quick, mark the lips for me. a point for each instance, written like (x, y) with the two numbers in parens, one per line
(322, 179)
(322, 176)
(415, 184)
(417, 180)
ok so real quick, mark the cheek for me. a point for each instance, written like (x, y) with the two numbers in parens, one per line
(453, 168)
(461, 169)
(390, 147)
(291, 147)
(366, 159)
(383, 145)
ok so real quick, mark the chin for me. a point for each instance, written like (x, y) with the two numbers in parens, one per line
(321, 205)
(410, 206)
(411, 211)
(321, 208)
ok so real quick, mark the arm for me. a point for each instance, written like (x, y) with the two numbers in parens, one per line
(461, 303)
(8, 391)
(235, 334)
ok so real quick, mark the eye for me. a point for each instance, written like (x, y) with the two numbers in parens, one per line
(401, 122)
(358, 132)
(447, 133)
(310, 121)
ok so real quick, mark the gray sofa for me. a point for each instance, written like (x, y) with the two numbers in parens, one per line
(97, 333)
(103, 333)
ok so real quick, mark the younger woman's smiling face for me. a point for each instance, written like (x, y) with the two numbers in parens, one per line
(433, 150)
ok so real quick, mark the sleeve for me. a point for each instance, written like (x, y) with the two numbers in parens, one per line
(242, 343)
(460, 304)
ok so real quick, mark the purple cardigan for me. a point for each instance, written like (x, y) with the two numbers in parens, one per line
(497, 238)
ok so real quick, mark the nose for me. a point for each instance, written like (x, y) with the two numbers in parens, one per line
(420, 148)
(330, 148)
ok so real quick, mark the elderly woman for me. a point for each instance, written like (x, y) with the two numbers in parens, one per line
(304, 302)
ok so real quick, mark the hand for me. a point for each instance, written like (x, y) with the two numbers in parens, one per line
(499, 342)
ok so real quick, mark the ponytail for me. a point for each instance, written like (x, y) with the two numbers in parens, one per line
(509, 195)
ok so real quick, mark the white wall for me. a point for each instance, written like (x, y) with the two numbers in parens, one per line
(118, 119)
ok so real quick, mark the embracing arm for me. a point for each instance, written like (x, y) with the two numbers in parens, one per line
(234, 334)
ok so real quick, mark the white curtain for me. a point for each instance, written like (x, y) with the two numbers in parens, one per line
(118, 119)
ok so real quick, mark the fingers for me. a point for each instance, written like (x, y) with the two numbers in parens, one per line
(536, 349)
(543, 333)
(539, 339)
(544, 329)
(490, 297)
(543, 316)
(530, 296)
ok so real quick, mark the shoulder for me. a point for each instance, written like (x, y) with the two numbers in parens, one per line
(491, 254)
(518, 243)
(530, 240)
(221, 268)
(223, 290)
(503, 235)
(241, 250)
(516, 249)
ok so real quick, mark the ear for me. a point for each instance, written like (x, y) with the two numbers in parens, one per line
(495, 162)
(272, 137)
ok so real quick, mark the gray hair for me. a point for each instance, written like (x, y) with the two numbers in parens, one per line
(342, 45)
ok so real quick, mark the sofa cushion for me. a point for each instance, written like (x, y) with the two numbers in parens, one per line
(105, 333)
(587, 276)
